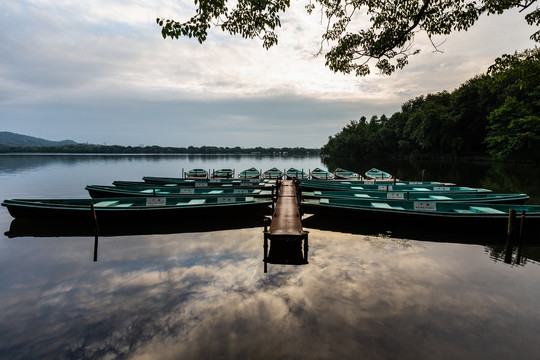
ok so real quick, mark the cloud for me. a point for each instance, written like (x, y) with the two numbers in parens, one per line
(105, 63)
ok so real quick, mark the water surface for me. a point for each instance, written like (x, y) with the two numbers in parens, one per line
(192, 294)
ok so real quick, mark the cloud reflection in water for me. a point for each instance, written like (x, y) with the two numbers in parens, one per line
(204, 295)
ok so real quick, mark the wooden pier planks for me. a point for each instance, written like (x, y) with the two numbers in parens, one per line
(286, 220)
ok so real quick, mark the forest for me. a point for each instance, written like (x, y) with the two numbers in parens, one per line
(117, 149)
(495, 115)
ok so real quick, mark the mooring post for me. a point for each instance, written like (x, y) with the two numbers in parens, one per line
(95, 247)
(306, 246)
(423, 172)
(94, 216)
(265, 257)
(510, 236)
(521, 237)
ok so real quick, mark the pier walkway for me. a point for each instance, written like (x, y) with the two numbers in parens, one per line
(286, 229)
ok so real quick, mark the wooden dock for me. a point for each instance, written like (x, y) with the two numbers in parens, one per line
(286, 231)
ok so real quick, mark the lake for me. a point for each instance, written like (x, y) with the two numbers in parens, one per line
(195, 294)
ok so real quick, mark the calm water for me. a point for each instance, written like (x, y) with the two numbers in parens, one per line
(202, 295)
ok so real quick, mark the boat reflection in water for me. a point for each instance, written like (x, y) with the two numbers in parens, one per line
(48, 228)
(513, 248)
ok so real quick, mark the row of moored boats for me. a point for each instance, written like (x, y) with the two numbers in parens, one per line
(377, 195)
(291, 173)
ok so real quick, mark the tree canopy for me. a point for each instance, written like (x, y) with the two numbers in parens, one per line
(495, 114)
(387, 41)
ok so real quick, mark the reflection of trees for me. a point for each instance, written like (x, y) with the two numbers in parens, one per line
(499, 177)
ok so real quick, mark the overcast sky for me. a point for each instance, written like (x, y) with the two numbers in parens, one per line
(99, 72)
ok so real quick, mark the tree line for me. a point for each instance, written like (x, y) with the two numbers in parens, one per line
(117, 149)
(496, 114)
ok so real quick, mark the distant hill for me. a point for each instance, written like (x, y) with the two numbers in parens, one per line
(12, 139)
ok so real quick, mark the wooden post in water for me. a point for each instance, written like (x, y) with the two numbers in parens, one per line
(423, 172)
(521, 237)
(510, 236)
(96, 228)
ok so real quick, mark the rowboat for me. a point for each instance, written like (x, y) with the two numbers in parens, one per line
(273, 173)
(353, 186)
(152, 180)
(424, 213)
(197, 173)
(250, 173)
(374, 173)
(293, 173)
(420, 196)
(104, 191)
(345, 174)
(146, 209)
(356, 182)
(321, 174)
(223, 173)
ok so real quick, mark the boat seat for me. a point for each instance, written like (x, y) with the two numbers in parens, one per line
(123, 205)
(464, 211)
(106, 203)
(317, 193)
(362, 195)
(357, 188)
(381, 205)
(485, 210)
(386, 206)
(439, 197)
(249, 199)
(216, 192)
(193, 202)
(147, 191)
(324, 201)
(421, 189)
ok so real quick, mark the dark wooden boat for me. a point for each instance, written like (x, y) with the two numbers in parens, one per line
(134, 208)
(312, 185)
(101, 191)
(424, 213)
(420, 196)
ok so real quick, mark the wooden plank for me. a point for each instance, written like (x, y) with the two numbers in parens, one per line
(286, 220)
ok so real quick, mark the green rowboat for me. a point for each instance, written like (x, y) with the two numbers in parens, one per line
(250, 173)
(345, 174)
(101, 191)
(320, 174)
(377, 174)
(293, 173)
(273, 173)
(145, 209)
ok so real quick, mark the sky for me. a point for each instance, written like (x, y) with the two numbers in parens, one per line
(100, 72)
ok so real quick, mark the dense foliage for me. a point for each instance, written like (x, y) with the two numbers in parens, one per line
(117, 149)
(387, 37)
(497, 114)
